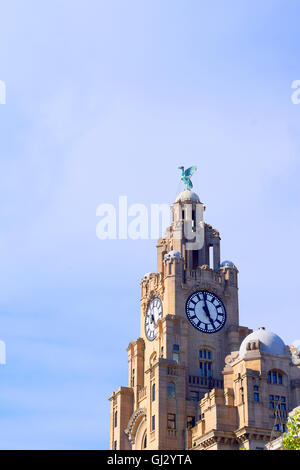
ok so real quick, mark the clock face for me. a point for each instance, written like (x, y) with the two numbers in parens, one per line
(205, 311)
(154, 312)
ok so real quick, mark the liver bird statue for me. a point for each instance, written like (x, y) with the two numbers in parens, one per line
(186, 175)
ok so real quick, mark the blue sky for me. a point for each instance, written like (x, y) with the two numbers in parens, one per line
(107, 99)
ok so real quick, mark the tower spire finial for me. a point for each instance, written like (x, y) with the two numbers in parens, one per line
(186, 175)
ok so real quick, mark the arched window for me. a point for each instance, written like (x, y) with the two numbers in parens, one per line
(171, 390)
(144, 441)
(275, 377)
(152, 359)
(153, 423)
(116, 419)
(153, 392)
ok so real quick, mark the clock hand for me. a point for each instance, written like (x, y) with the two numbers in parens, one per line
(210, 319)
(205, 303)
(205, 307)
(206, 310)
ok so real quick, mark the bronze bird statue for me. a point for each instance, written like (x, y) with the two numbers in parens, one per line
(186, 175)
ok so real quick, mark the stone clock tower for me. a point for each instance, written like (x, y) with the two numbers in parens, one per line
(189, 324)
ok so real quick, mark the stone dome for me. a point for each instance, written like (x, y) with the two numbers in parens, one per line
(172, 254)
(270, 343)
(187, 195)
(227, 264)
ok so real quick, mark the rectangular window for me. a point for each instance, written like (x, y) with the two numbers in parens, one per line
(211, 257)
(171, 421)
(204, 354)
(175, 347)
(256, 396)
(175, 357)
(280, 379)
(153, 422)
(194, 217)
(283, 404)
(269, 376)
(195, 259)
(115, 445)
(201, 369)
(209, 369)
(277, 402)
(194, 395)
(153, 392)
(171, 390)
(133, 375)
(190, 422)
(274, 377)
(255, 388)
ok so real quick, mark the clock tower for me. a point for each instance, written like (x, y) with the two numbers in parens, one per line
(189, 323)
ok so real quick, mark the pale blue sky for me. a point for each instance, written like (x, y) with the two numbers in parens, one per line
(107, 99)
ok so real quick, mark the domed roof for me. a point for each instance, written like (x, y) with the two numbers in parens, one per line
(270, 342)
(227, 264)
(172, 254)
(187, 195)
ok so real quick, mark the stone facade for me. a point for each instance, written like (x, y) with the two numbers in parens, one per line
(195, 389)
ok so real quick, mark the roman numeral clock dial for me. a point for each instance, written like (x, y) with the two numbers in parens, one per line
(154, 312)
(205, 311)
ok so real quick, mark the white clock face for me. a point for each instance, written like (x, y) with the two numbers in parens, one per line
(154, 312)
(205, 311)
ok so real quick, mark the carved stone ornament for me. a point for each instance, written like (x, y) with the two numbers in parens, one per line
(134, 419)
(296, 358)
(231, 357)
